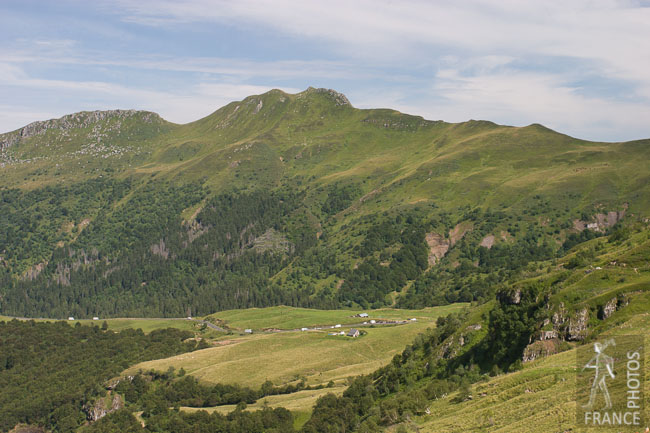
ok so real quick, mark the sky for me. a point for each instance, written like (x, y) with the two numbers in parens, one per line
(579, 67)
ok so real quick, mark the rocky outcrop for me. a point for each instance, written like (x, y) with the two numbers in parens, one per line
(33, 272)
(511, 297)
(459, 232)
(194, 230)
(62, 274)
(258, 107)
(82, 119)
(101, 407)
(609, 308)
(559, 316)
(540, 349)
(339, 98)
(438, 247)
(160, 249)
(548, 335)
(601, 221)
(447, 350)
(487, 241)
(612, 306)
(577, 329)
(566, 326)
(273, 241)
(9, 139)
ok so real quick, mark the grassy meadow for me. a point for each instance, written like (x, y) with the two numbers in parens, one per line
(299, 403)
(284, 317)
(285, 357)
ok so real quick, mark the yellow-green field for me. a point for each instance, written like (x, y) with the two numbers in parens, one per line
(284, 357)
(299, 403)
(292, 318)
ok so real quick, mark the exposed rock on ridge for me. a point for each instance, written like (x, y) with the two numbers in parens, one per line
(339, 98)
(100, 408)
(82, 119)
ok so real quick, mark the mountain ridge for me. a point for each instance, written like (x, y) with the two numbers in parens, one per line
(39, 126)
(69, 121)
(350, 194)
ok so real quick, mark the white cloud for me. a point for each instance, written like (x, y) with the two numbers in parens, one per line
(606, 30)
(240, 67)
(542, 47)
(535, 98)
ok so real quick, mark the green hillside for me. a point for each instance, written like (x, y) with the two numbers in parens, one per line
(508, 364)
(511, 365)
(299, 200)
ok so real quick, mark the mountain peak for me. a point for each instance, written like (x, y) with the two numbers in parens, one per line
(339, 98)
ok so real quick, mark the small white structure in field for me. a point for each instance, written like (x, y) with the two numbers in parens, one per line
(365, 323)
(414, 319)
(303, 329)
(372, 322)
(363, 314)
(342, 333)
(189, 317)
(337, 326)
(70, 318)
(248, 331)
(95, 318)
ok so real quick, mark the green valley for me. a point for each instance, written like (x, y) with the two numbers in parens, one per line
(210, 268)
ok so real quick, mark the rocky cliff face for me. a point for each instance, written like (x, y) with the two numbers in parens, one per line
(568, 326)
(339, 98)
(600, 222)
(577, 329)
(101, 408)
(540, 349)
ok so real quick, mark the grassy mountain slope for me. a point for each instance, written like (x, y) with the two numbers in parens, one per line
(451, 379)
(121, 213)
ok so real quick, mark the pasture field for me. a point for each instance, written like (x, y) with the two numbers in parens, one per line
(299, 403)
(285, 357)
(283, 317)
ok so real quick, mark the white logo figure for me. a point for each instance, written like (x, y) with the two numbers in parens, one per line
(604, 366)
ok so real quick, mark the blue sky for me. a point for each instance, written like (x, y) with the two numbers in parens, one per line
(579, 67)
